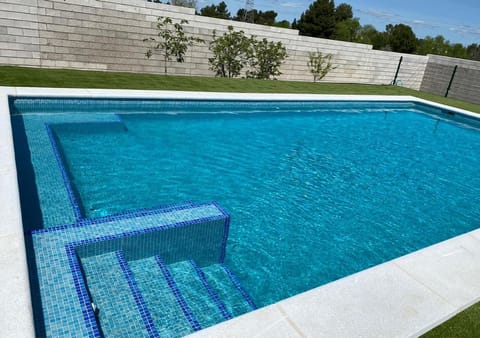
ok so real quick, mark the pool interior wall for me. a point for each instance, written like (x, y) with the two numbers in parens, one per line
(42, 232)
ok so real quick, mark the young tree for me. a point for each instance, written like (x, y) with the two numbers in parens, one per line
(267, 58)
(318, 20)
(231, 52)
(216, 11)
(319, 64)
(172, 41)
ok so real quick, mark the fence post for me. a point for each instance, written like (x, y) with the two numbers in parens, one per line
(398, 70)
(451, 80)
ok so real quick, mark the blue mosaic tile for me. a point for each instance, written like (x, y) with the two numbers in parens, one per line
(178, 295)
(64, 303)
(211, 291)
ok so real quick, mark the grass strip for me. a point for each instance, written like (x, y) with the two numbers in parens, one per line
(68, 78)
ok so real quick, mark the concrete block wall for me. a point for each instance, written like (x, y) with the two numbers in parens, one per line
(108, 34)
(466, 82)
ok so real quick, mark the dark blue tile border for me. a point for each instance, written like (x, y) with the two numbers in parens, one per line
(211, 292)
(137, 295)
(225, 233)
(77, 211)
(126, 215)
(82, 293)
(239, 287)
(178, 295)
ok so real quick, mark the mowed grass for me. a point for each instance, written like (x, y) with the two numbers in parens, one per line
(466, 324)
(67, 78)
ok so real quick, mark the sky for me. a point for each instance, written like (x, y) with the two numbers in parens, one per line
(456, 20)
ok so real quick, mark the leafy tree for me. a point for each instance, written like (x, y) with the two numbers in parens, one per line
(343, 12)
(216, 11)
(319, 65)
(231, 53)
(401, 38)
(437, 45)
(318, 20)
(282, 24)
(347, 30)
(366, 34)
(457, 50)
(184, 3)
(266, 18)
(267, 58)
(473, 51)
(294, 24)
(171, 42)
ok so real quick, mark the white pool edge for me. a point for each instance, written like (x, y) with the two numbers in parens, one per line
(403, 297)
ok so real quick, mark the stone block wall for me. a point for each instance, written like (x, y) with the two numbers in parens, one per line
(466, 82)
(108, 34)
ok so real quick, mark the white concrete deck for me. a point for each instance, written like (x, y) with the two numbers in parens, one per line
(403, 297)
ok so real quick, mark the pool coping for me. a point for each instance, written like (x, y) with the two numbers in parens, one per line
(403, 297)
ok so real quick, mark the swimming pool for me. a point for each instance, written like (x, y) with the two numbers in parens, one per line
(306, 195)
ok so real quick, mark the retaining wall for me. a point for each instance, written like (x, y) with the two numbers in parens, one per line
(466, 82)
(108, 34)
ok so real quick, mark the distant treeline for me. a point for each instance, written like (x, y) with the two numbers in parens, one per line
(325, 20)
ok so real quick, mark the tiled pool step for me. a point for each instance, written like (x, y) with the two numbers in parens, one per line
(146, 297)
(109, 290)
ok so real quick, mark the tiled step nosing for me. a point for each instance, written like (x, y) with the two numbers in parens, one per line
(211, 291)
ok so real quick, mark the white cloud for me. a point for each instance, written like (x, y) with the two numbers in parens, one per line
(378, 14)
(291, 4)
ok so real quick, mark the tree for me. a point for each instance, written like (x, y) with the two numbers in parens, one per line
(401, 38)
(473, 51)
(319, 64)
(366, 34)
(318, 20)
(343, 12)
(216, 11)
(184, 3)
(266, 18)
(231, 53)
(347, 30)
(267, 58)
(171, 41)
(282, 24)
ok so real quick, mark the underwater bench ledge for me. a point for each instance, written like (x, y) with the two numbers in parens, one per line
(176, 233)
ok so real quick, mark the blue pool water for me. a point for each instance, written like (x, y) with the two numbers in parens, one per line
(313, 196)
(315, 191)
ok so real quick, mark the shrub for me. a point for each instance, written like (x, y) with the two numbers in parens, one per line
(267, 58)
(319, 65)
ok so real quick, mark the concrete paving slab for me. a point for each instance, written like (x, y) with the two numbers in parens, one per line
(379, 302)
(266, 323)
(451, 269)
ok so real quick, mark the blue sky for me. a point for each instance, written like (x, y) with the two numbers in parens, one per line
(457, 21)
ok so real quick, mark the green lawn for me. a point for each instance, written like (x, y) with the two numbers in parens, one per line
(464, 325)
(42, 77)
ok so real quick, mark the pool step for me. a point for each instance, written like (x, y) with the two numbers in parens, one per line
(228, 287)
(167, 315)
(146, 297)
(110, 289)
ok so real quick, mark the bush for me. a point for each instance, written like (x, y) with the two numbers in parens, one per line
(267, 58)
(231, 53)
